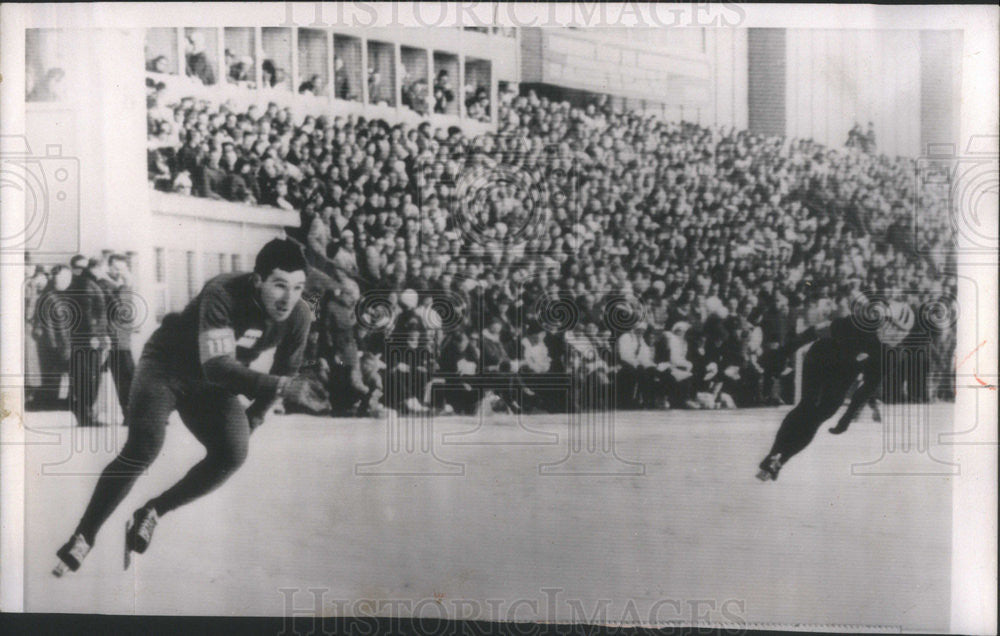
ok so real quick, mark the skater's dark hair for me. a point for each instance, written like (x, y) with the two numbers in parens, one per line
(283, 254)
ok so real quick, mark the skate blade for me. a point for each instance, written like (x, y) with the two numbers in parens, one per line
(60, 569)
(763, 475)
(128, 552)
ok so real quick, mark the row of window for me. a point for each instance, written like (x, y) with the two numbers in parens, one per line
(320, 63)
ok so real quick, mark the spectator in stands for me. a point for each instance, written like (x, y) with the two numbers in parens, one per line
(376, 88)
(49, 88)
(312, 86)
(241, 70)
(197, 63)
(459, 361)
(271, 74)
(338, 350)
(119, 303)
(158, 64)
(341, 80)
(414, 93)
(477, 102)
(78, 265)
(444, 95)
(411, 375)
(34, 286)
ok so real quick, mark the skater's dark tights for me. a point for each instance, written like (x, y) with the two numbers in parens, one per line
(825, 383)
(216, 418)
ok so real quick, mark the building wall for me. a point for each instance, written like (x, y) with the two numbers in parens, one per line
(728, 51)
(766, 79)
(686, 73)
(940, 87)
(99, 129)
(835, 78)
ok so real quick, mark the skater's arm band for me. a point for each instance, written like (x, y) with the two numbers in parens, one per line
(217, 351)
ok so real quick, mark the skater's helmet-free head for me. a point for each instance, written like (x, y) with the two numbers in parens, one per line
(897, 323)
(280, 277)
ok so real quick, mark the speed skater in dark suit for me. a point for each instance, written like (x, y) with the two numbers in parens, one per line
(197, 363)
(830, 369)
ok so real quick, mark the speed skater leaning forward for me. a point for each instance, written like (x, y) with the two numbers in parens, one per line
(830, 368)
(196, 363)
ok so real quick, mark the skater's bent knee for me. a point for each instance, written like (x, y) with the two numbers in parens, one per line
(140, 451)
(231, 456)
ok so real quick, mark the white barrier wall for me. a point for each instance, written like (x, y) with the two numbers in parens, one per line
(194, 239)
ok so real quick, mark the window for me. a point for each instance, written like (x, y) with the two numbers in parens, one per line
(276, 67)
(313, 76)
(161, 51)
(347, 71)
(477, 94)
(45, 65)
(415, 82)
(445, 83)
(241, 57)
(381, 73)
(201, 54)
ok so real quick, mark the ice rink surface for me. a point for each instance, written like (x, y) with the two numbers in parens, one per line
(518, 523)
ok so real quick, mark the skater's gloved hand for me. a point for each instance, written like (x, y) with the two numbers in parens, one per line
(302, 391)
(255, 416)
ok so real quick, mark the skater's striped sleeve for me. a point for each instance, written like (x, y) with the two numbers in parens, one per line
(217, 348)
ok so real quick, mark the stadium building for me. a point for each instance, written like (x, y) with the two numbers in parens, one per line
(770, 81)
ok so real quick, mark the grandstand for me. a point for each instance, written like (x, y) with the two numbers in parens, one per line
(567, 224)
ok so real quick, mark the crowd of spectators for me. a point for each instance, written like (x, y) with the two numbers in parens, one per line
(671, 261)
(80, 318)
(864, 140)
